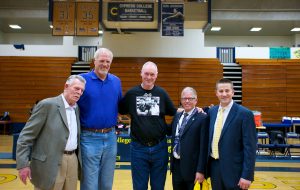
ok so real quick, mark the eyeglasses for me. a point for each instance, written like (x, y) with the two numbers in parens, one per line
(189, 99)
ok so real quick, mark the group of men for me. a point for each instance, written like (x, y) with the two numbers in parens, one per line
(58, 143)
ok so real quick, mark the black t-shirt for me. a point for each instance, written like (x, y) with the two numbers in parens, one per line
(147, 109)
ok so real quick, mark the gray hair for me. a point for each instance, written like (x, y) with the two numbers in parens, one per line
(101, 51)
(150, 63)
(189, 89)
(71, 79)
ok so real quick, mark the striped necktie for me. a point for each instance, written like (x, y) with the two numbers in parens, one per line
(180, 130)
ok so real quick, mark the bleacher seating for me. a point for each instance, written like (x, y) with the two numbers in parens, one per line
(292, 135)
(263, 136)
(274, 148)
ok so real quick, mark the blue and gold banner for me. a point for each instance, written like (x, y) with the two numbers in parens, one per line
(130, 12)
(172, 19)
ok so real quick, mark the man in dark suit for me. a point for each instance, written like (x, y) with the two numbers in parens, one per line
(46, 146)
(232, 141)
(189, 143)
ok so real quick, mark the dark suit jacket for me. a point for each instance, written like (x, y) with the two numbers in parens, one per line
(43, 141)
(237, 144)
(193, 145)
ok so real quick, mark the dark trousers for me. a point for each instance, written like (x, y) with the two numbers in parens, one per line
(177, 180)
(217, 182)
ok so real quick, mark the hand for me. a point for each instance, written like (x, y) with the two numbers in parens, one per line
(199, 177)
(25, 173)
(200, 110)
(244, 183)
(180, 109)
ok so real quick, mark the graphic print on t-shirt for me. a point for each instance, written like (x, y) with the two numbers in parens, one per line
(147, 105)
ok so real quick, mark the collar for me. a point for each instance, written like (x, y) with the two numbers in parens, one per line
(228, 107)
(141, 86)
(66, 104)
(94, 76)
(190, 112)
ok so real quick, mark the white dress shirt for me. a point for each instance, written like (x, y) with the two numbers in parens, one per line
(178, 126)
(72, 125)
(225, 115)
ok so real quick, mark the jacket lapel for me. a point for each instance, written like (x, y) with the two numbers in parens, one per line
(77, 119)
(230, 117)
(189, 123)
(62, 110)
(176, 121)
(213, 117)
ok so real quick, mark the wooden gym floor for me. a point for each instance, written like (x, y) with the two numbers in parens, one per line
(275, 173)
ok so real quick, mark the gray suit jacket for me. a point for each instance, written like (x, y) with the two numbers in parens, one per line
(43, 140)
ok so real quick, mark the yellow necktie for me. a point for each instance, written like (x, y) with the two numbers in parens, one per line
(217, 134)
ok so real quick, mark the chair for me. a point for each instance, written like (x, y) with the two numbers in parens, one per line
(263, 147)
(263, 136)
(278, 140)
(293, 135)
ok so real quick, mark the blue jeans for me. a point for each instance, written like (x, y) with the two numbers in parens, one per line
(98, 153)
(149, 161)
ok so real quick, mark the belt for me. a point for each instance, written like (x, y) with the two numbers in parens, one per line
(105, 130)
(69, 152)
(152, 143)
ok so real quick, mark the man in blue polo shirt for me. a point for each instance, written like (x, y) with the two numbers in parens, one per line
(98, 117)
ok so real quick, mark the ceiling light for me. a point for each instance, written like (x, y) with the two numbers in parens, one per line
(51, 26)
(100, 32)
(255, 29)
(215, 28)
(14, 26)
(295, 30)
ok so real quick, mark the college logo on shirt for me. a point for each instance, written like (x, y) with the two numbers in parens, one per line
(147, 105)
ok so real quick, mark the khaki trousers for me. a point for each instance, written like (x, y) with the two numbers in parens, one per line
(67, 175)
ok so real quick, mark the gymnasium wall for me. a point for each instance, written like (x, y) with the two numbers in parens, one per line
(24, 80)
(272, 87)
(27, 79)
(182, 62)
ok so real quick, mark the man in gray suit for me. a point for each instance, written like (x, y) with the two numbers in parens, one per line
(46, 146)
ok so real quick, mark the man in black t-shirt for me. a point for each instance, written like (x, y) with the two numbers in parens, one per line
(147, 105)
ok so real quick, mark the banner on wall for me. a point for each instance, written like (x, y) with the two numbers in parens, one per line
(280, 53)
(130, 12)
(63, 18)
(87, 22)
(172, 16)
(295, 53)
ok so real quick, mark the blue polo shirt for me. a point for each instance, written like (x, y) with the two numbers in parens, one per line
(99, 102)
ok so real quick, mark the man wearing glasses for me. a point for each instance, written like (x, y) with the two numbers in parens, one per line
(189, 143)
